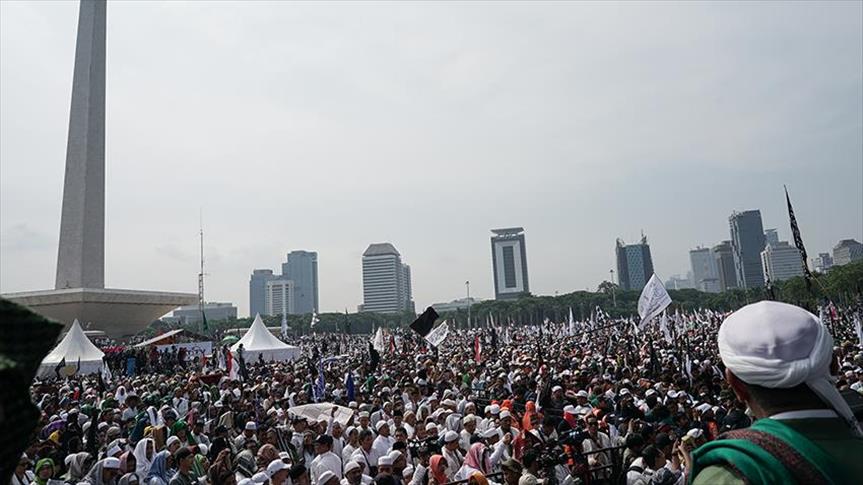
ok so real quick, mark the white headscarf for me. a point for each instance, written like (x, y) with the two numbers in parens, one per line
(776, 345)
(142, 464)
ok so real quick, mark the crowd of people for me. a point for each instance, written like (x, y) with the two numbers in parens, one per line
(595, 402)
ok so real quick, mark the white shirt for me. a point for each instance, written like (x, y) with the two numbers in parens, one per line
(366, 460)
(347, 451)
(328, 461)
(382, 444)
(454, 461)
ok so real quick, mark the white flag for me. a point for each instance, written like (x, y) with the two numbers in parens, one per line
(284, 326)
(663, 325)
(859, 327)
(314, 319)
(107, 376)
(379, 342)
(438, 334)
(652, 301)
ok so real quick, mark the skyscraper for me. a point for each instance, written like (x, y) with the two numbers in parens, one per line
(509, 263)
(781, 261)
(822, 263)
(279, 297)
(302, 268)
(386, 281)
(634, 264)
(847, 251)
(747, 242)
(771, 236)
(724, 256)
(704, 273)
(258, 291)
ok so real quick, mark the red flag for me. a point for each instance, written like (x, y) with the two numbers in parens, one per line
(229, 361)
(477, 349)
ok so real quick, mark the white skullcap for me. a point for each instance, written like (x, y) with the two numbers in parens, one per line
(495, 409)
(381, 424)
(351, 466)
(394, 455)
(385, 460)
(408, 472)
(172, 440)
(111, 463)
(776, 345)
(450, 436)
(505, 414)
(260, 477)
(695, 433)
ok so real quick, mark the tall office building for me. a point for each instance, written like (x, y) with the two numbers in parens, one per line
(781, 261)
(771, 236)
(634, 264)
(747, 242)
(847, 251)
(258, 291)
(280, 297)
(704, 274)
(302, 268)
(724, 257)
(509, 263)
(386, 281)
(822, 263)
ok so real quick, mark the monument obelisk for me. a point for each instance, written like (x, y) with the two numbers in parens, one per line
(81, 255)
(79, 291)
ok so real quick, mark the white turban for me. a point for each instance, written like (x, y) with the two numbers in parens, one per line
(776, 345)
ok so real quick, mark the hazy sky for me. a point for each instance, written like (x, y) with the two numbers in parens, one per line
(331, 126)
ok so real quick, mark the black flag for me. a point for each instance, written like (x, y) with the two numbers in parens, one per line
(374, 358)
(798, 241)
(425, 322)
(60, 366)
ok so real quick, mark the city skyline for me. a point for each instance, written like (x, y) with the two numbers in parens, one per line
(396, 137)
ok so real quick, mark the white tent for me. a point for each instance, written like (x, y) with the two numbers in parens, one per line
(74, 347)
(259, 341)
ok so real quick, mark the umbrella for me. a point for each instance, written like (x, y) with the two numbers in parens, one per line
(230, 339)
(323, 411)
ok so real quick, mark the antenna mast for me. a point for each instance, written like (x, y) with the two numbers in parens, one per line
(201, 274)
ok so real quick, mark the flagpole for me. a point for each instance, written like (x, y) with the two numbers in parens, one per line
(467, 284)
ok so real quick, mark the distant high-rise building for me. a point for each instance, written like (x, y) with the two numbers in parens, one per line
(781, 261)
(822, 263)
(704, 274)
(634, 264)
(724, 257)
(280, 297)
(302, 268)
(747, 242)
(386, 281)
(771, 236)
(192, 313)
(509, 263)
(258, 291)
(847, 251)
(677, 282)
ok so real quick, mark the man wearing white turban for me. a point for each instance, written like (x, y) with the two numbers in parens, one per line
(778, 359)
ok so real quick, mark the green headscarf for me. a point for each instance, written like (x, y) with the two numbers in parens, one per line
(42, 464)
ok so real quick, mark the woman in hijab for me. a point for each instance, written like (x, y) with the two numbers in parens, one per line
(266, 455)
(127, 463)
(246, 466)
(437, 470)
(158, 474)
(220, 472)
(477, 478)
(44, 471)
(477, 460)
(79, 464)
(144, 451)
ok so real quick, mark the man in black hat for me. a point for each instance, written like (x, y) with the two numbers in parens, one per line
(325, 460)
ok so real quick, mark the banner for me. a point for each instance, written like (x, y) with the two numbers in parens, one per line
(193, 349)
(438, 334)
(652, 301)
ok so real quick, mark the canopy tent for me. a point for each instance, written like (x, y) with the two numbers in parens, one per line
(74, 348)
(259, 341)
